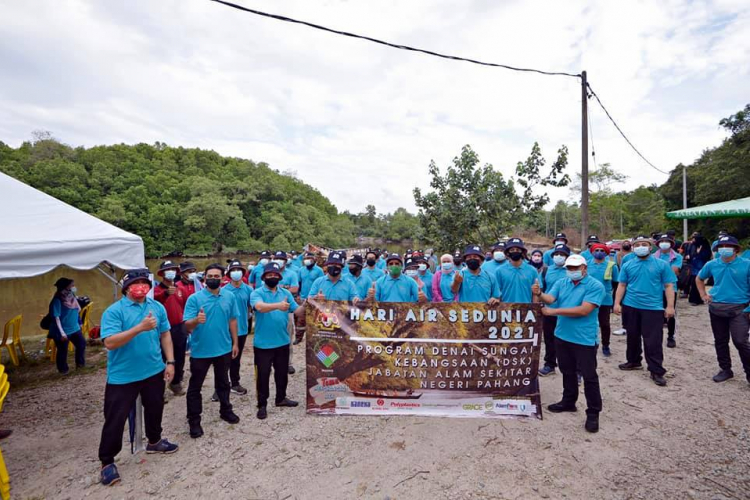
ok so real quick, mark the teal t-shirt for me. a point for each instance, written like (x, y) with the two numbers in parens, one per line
(242, 296)
(646, 279)
(373, 274)
(583, 330)
(478, 288)
(254, 278)
(289, 278)
(515, 282)
(491, 266)
(361, 283)
(212, 338)
(140, 358)
(445, 286)
(676, 262)
(554, 274)
(307, 276)
(68, 317)
(343, 289)
(731, 280)
(271, 327)
(401, 289)
(547, 259)
(597, 270)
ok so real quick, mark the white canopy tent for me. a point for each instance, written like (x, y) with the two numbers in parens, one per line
(40, 232)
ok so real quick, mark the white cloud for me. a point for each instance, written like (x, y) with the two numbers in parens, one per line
(359, 121)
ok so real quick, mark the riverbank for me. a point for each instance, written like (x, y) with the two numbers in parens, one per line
(687, 440)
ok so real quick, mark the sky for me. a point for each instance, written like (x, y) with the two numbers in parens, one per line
(359, 121)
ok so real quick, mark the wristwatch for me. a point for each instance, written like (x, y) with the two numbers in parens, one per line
(170, 362)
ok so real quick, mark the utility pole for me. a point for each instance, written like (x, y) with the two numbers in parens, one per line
(546, 228)
(584, 160)
(684, 202)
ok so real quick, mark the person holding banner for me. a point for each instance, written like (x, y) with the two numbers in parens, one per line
(554, 274)
(577, 298)
(515, 278)
(211, 319)
(272, 305)
(475, 284)
(135, 331)
(394, 286)
(334, 286)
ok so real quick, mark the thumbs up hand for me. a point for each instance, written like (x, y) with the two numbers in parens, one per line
(201, 316)
(284, 306)
(371, 292)
(535, 288)
(148, 323)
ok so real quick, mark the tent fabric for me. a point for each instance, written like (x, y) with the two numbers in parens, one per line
(39, 233)
(726, 209)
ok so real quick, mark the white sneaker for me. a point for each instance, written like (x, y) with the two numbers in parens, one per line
(620, 331)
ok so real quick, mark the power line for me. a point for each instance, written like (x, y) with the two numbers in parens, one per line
(623, 133)
(591, 136)
(389, 44)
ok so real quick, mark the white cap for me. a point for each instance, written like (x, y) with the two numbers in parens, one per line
(575, 261)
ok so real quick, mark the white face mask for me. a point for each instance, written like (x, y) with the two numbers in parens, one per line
(665, 245)
(410, 272)
(559, 242)
(642, 251)
(498, 256)
(423, 267)
(307, 262)
(559, 260)
(280, 262)
(235, 275)
(170, 275)
(192, 276)
(73, 290)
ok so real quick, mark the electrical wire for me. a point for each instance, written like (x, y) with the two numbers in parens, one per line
(389, 44)
(591, 137)
(621, 132)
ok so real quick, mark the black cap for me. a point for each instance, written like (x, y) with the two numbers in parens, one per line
(473, 250)
(357, 260)
(167, 264)
(394, 256)
(457, 255)
(728, 240)
(336, 257)
(236, 264)
(135, 275)
(266, 254)
(280, 254)
(592, 239)
(514, 243)
(561, 236)
(411, 262)
(186, 266)
(63, 283)
(271, 267)
(561, 248)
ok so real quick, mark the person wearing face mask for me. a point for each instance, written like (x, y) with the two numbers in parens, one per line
(554, 274)
(576, 298)
(289, 281)
(605, 271)
(64, 310)
(359, 280)
(699, 254)
(241, 292)
(334, 286)
(135, 331)
(309, 272)
(382, 262)
(728, 305)
(498, 258)
(559, 239)
(394, 286)
(537, 262)
(642, 282)
(295, 260)
(442, 280)
(591, 240)
(371, 269)
(411, 269)
(211, 317)
(423, 270)
(254, 278)
(666, 253)
(272, 305)
(515, 278)
(626, 249)
(475, 284)
(458, 260)
(171, 297)
(186, 284)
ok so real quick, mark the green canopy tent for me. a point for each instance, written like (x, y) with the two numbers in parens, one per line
(725, 209)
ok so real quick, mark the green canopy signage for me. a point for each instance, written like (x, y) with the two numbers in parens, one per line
(732, 208)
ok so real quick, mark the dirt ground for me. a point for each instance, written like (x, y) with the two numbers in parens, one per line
(689, 440)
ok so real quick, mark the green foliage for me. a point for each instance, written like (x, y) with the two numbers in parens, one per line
(397, 226)
(473, 204)
(181, 200)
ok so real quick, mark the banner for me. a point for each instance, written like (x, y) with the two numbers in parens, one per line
(443, 359)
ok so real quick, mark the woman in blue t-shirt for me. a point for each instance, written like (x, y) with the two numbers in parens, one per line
(64, 327)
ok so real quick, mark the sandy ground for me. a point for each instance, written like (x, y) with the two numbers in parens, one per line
(689, 440)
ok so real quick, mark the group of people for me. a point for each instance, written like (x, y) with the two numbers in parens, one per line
(147, 338)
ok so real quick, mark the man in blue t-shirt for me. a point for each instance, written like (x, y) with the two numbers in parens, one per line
(576, 299)
(411, 269)
(308, 273)
(289, 281)
(254, 278)
(272, 305)
(555, 273)
(591, 240)
(498, 260)
(643, 281)
(728, 304)
(211, 320)
(515, 278)
(605, 271)
(135, 331)
(241, 292)
(560, 239)
(395, 286)
(667, 253)
(475, 284)
(334, 286)
(361, 283)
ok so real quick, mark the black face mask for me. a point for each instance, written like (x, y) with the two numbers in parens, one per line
(472, 264)
(334, 271)
(626, 248)
(213, 283)
(354, 270)
(271, 282)
(457, 263)
(371, 262)
(515, 256)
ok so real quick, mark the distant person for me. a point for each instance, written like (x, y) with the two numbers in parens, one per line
(362, 283)
(254, 280)
(372, 270)
(135, 331)
(498, 258)
(605, 271)
(65, 327)
(667, 253)
(537, 261)
(626, 248)
(559, 239)
(411, 269)
(699, 254)
(171, 297)
(591, 240)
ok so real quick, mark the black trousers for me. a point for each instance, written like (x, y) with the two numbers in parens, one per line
(575, 359)
(548, 326)
(118, 401)
(671, 322)
(198, 370)
(278, 358)
(647, 326)
(179, 345)
(61, 358)
(234, 365)
(604, 326)
(735, 328)
(694, 296)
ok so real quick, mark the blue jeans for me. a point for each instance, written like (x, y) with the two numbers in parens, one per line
(62, 351)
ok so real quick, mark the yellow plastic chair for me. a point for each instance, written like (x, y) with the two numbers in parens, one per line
(85, 314)
(4, 477)
(12, 341)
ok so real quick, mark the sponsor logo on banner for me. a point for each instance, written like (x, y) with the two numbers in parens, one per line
(327, 355)
(360, 404)
(327, 320)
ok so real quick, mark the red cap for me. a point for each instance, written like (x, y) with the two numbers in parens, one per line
(597, 246)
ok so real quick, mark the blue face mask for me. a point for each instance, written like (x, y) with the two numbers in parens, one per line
(725, 252)
(599, 254)
(575, 275)
(235, 275)
(642, 251)
(559, 259)
(447, 266)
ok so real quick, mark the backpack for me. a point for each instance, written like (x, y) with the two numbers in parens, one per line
(46, 321)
